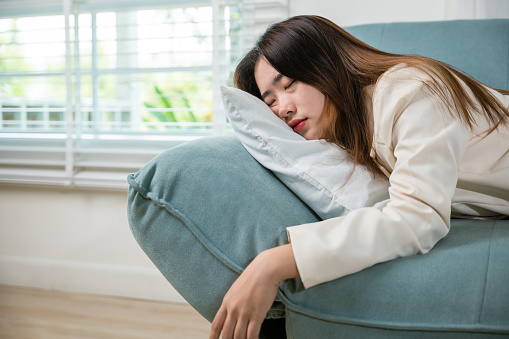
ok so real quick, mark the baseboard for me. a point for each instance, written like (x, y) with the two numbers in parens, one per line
(78, 277)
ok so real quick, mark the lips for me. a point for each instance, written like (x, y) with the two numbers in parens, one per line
(297, 124)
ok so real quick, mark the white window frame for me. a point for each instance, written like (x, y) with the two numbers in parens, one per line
(54, 159)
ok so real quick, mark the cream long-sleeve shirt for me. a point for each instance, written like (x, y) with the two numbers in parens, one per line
(437, 168)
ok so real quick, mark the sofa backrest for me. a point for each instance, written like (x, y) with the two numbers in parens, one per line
(479, 48)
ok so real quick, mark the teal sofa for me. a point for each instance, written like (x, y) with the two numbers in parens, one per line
(203, 210)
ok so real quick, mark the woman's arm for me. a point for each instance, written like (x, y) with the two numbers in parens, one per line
(248, 300)
(420, 144)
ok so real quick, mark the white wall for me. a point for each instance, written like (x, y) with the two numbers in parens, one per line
(357, 12)
(74, 240)
(79, 240)
(349, 13)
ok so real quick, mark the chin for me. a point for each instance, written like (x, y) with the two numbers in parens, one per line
(311, 136)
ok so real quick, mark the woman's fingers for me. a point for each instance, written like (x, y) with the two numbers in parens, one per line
(253, 329)
(240, 328)
(248, 300)
(229, 328)
(238, 320)
(217, 323)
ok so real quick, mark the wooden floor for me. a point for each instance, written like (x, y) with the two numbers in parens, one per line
(30, 313)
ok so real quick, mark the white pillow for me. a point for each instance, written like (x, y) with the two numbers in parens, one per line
(315, 170)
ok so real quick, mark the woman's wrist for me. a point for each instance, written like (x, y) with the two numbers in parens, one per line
(280, 263)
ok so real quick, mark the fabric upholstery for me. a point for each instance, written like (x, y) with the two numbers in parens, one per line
(457, 289)
(203, 210)
(479, 48)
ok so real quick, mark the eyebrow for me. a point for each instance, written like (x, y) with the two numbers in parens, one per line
(277, 78)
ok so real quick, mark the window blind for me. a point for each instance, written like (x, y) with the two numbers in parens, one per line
(91, 90)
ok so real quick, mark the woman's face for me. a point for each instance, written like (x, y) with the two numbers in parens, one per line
(298, 104)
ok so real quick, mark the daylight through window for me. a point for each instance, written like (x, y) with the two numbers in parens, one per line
(91, 90)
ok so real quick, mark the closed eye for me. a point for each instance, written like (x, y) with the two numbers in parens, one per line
(291, 83)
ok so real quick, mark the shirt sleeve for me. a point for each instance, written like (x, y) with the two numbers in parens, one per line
(419, 142)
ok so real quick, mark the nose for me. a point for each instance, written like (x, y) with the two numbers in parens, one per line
(286, 108)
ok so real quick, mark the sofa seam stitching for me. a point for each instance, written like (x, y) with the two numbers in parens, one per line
(458, 328)
(195, 231)
(486, 274)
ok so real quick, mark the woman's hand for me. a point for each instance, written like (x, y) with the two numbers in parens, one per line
(248, 300)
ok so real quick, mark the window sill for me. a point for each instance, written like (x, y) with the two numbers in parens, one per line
(116, 181)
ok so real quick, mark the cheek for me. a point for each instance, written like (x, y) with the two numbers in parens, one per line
(317, 100)
(321, 109)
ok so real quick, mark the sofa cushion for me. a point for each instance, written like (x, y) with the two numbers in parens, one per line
(317, 171)
(459, 289)
(203, 210)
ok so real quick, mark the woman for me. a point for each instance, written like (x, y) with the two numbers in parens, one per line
(441, 138)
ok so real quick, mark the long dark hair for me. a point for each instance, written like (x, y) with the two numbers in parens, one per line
(316, 51)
